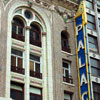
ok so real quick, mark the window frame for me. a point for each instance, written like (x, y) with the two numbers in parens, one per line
(37, 63)
(68, 69)
(91, 4)
(33, 40)
(67, 78)
(17, 56)
(95, 87)
(16, 31)
(69, 93)
(90, 22)
(65, 39)
(94, 49)
(92, 66)
(17, 84)
(36, 94)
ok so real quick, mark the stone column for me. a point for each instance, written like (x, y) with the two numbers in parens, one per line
(27, 67)
(44, 67)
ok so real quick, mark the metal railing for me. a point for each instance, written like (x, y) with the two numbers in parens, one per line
(17, 70)
(34, 42)
(66, 49)
(36, 74)
(68, 79)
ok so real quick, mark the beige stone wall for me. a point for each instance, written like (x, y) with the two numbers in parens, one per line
(59, 87)
(3, 47)
(57, 25)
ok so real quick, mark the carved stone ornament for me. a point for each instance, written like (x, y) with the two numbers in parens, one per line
(5, 1)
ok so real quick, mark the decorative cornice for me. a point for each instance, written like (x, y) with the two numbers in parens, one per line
(65, 14)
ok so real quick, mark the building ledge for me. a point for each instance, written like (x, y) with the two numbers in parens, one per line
(3, 98)
(73, 85)
(70, 54)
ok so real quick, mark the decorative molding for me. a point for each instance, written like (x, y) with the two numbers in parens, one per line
(35, 50)
(5, 1)
(37, 83)
(14, 77)
(28, 27)
(20, 45)
(66, 15)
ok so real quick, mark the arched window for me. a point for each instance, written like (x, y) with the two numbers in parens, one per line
(18, 29)
(65, 41)
(35, 35)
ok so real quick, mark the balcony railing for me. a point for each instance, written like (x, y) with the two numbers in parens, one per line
(17, 70)
(66, 49)
(68, 79)
(18, 37)
(36, 74)
(18, 32)
(34, 42)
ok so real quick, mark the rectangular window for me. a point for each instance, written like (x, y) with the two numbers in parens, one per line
(89, 4)
(98, 3)
(66, 71)
(96, 91)
(95, 68)
(67, 96)
(16, 92)
(99, 24)
(35, 93)
(35, 66)
(91, 22)
(17, 61)
(92, 42)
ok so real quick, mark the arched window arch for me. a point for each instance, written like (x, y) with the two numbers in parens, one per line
(65, 41)
(18, 29)
(35, 35)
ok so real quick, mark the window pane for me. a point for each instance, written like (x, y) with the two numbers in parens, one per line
(65, 64)
(93, 46)
(98, 3)
(37, 67)
(20, 30)
(13, 61)
(32, 97)
(91, 26)
(19, 95)
(90, 18)
(13, 94)
(94, 62)
(39, 98)
(96, 91)
(31, 65)
(67, 96)
(92, 39)
(35, 58)
(89, 5)
(66, 73)
(95, 71)
(35, 90)
(13, 28)
(32, 34)
(16, 52)
(37, 36)
(20, 62)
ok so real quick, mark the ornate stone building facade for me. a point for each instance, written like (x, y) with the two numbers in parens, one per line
(37, 47)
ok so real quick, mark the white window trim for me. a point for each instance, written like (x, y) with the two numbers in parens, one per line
(38, 63)
(69, 70)
(22, 57)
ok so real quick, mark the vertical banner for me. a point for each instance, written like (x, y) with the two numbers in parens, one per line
(84, 77)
